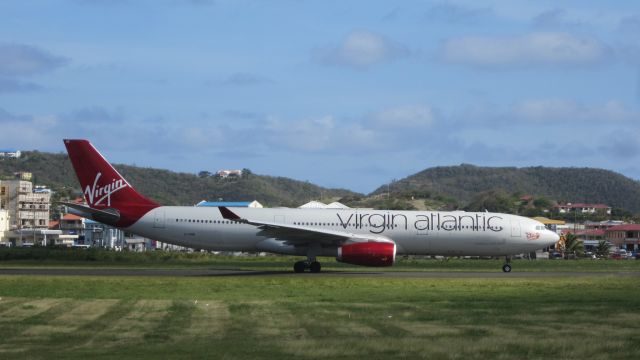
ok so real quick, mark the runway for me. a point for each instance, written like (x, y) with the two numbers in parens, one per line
(241, 273)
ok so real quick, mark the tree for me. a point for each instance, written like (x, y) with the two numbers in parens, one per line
(204, 174)
(572, 246)
(494, 201)
(542, 203)
(246, 173)
(603, 249)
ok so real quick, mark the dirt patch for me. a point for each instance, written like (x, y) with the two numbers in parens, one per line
(142, 319)
(27, 308)
(209, 319)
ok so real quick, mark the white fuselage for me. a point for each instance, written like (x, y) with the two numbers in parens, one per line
(454, 233)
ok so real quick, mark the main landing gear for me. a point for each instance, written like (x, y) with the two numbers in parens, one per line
(312, 264)
(301, 266)
(507, 266)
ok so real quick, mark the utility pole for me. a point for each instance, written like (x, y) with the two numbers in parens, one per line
(33, 223)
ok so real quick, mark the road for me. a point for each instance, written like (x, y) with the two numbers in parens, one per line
(225, 273)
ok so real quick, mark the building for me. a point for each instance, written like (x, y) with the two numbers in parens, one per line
(101, 235)
(251, 204)
(4, 225)
(583, 208)
(229, 173)
(159, 245)
(313, 204)
(551, 224)
(71, 224)
(624, 236)
(43, 237)
(602, 225)
(28, 207)
(137, 243)
(4, 153)
(586, 234)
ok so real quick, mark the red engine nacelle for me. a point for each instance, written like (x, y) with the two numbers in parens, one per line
(368, 253)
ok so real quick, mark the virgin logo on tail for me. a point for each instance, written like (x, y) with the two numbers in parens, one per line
(96, 195)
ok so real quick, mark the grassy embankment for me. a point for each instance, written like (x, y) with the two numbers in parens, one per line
(51, 257)
(274, 317)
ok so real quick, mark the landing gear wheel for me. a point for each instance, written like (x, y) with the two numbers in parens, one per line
(299, 266)
(315, 267)
(506, 268)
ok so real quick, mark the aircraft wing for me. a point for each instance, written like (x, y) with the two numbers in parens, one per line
(296, 234)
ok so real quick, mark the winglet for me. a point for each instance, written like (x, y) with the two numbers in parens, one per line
(228, 214)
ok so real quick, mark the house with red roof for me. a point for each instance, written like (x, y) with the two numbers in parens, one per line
(584, 208)
(624, 236)
(71, 224)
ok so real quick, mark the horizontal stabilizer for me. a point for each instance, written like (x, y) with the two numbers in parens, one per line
(104, 216)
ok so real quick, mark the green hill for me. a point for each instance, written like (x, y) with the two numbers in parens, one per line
(171, 188)
(575, 185)
(441, 185)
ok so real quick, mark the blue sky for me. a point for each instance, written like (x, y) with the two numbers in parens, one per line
(340, 93)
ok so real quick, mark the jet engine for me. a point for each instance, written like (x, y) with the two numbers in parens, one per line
(373, 253)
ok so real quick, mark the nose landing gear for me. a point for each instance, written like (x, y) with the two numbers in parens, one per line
(507, 266)
(299, 266)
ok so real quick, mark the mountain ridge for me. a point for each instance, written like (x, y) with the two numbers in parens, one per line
(563, 184)
(173, 188)
(460, 183)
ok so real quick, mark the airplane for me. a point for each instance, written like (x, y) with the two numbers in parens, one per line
(355, 236)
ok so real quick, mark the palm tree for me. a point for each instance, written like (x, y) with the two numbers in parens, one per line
(603, 249)
(572, 246)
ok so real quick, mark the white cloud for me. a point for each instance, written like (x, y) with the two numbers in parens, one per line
(630, 25)
(13, 85)
(622, 144)
(552, 110)
(384, 129)
(306, 135)
(246, 79)
(552, 113)
(451, 13)
(536, 49)
(25, 60)
(409, 116)
(94, 115)
(362, 49)
(28, 132)
(555, 19)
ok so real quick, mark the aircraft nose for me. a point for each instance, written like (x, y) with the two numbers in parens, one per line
(552, 237)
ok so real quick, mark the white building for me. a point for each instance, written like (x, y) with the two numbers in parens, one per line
(31, 237)
(28, 207)
(4, 153)
(102, 235)
(320, 205)
(584, 208)
(4, 224)
(229, 173)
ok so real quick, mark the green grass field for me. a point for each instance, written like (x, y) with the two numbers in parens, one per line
(52, 257)
(316, 316)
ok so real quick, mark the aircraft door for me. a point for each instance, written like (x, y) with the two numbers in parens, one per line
(158, 219)
(515, 228)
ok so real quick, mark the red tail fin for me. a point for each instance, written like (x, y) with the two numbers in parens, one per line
(103, 187)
